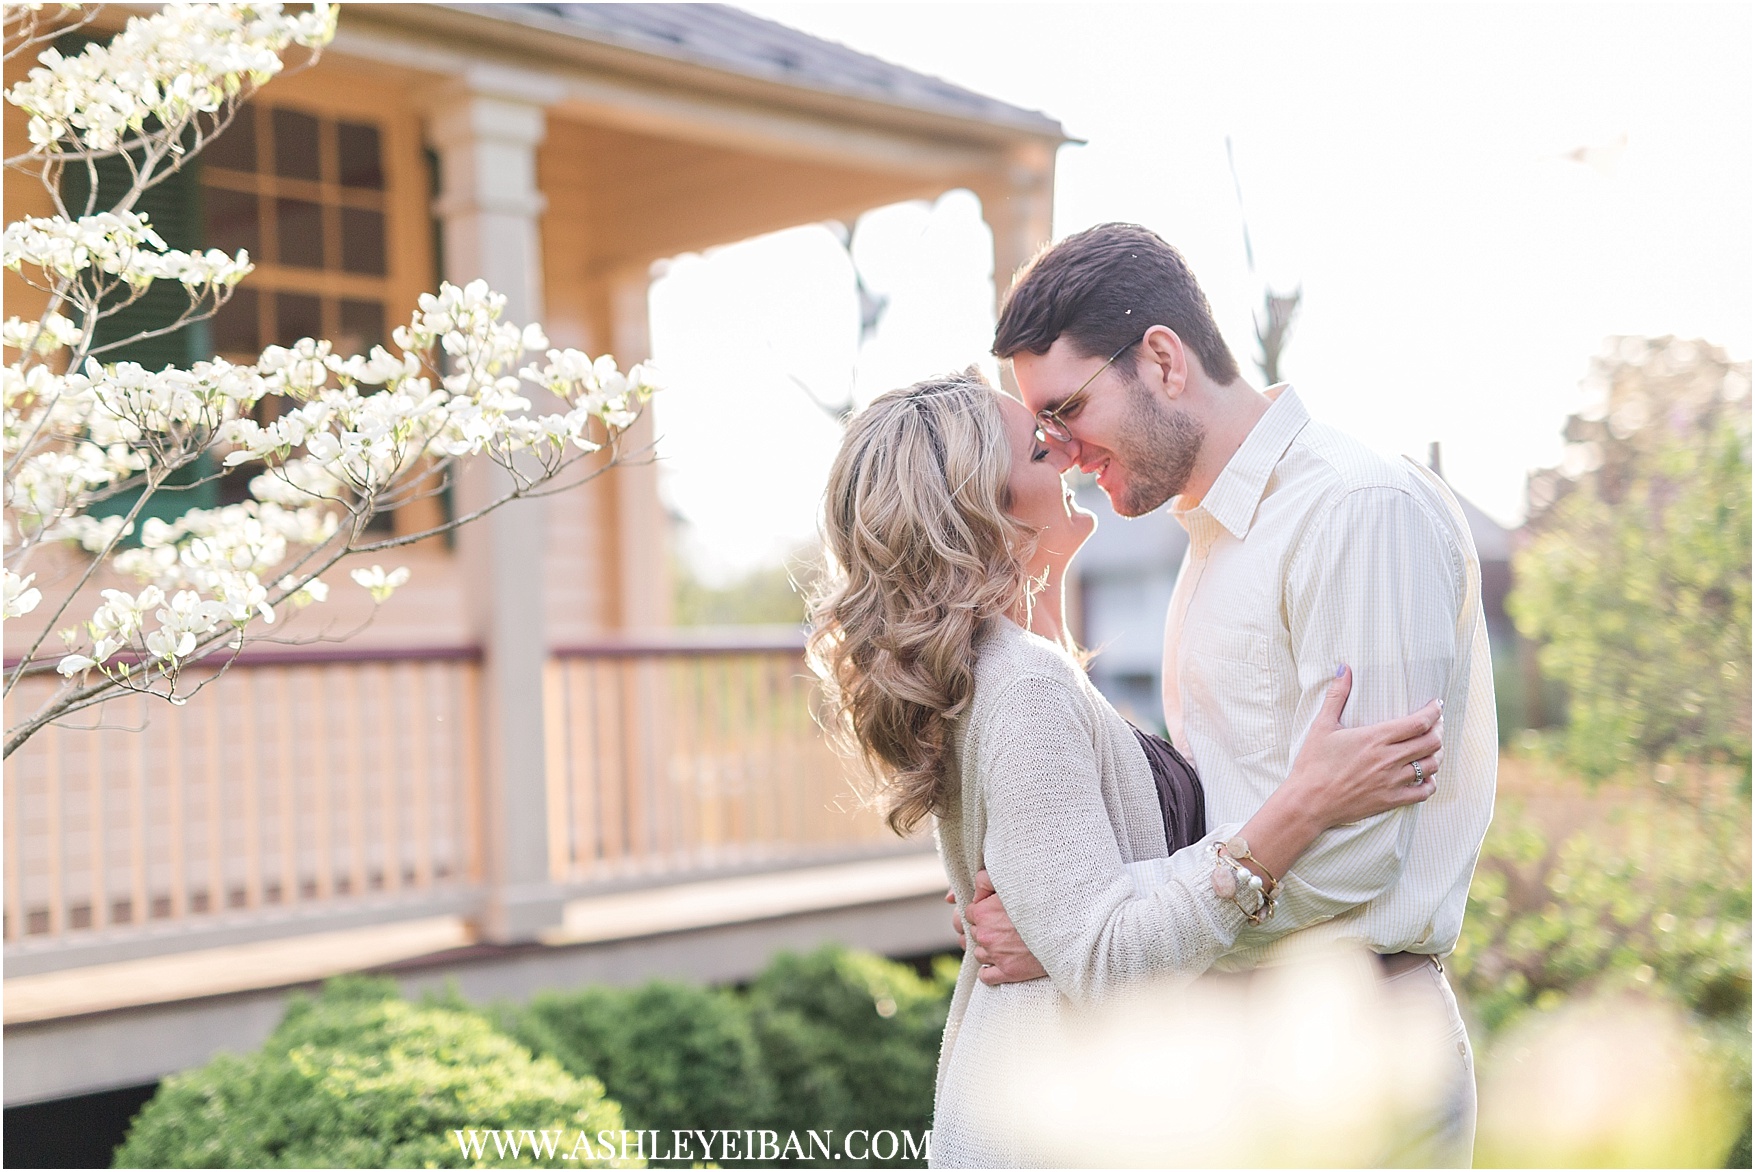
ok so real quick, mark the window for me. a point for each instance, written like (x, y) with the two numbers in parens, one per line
(305, 194)
(316, 190)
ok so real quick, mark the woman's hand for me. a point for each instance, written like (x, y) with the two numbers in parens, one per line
(1345, 774)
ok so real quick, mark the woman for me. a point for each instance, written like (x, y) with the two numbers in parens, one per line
(947, 670)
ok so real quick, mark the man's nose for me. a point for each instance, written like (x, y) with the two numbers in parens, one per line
(1063, 455)
(1086, 463)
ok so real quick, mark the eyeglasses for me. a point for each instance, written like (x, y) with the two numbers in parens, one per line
(1050, 425)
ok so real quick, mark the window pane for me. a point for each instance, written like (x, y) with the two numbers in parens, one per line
(362, 241)
(235, 146)
(362, 327)
(360, 165)
(299, 231)
(233, 221)
(295, 145)
(235, 330)
(296, 315)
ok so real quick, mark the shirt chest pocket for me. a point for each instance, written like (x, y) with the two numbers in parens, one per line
(1230, 688)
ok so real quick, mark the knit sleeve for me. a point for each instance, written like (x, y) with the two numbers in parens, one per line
(1051, 850)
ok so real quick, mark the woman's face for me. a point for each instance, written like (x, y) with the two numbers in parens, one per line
(1039, 497)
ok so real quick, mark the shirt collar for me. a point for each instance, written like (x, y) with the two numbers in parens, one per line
(1237, 492)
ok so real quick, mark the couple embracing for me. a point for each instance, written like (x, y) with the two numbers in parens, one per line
(1327, 683)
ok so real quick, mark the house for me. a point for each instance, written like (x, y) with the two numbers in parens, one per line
(1125, 574)
(517, 773)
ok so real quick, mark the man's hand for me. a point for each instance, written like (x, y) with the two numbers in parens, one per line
(957, 920)
(1002, 954)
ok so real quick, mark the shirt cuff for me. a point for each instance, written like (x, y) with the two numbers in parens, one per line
(1191, 868)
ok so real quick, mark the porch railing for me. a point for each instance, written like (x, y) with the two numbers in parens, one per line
(689, 756)
(281, 786)
(342, 780)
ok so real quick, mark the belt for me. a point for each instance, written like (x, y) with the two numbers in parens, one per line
(1394, 964)
(1389, 965)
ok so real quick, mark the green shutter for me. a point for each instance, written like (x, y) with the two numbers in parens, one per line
(174, 208)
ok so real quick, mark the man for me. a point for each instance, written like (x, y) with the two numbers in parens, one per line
(1306, 551)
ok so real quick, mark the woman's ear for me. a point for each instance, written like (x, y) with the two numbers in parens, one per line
(1163, 362)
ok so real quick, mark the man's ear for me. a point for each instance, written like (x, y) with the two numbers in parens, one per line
(1163, 362)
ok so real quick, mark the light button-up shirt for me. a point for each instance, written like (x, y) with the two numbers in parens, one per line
(1310, 551)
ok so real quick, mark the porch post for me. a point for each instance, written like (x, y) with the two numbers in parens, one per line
(1017, 201)
(644, 593)
(489, 208)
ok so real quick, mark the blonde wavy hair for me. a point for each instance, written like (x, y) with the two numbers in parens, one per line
(921, 553)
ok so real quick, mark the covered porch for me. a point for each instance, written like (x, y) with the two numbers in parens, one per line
(520, 774)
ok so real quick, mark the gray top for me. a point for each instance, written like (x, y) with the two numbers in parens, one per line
(1055, 798)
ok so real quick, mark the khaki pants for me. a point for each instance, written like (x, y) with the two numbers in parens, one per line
(1422, 1036)
(1449, 1142)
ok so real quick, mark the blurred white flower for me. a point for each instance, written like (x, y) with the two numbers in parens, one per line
(72, 665)
(313, 590)
(380, 584)
(20, 597)
(164, 67)
(121, 244)
(52, 333)
(169, 645)
(1618, 1083)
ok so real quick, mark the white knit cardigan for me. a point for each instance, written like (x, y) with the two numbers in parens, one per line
(1052, 794)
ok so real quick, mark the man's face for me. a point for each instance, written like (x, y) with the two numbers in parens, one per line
(1141, 445)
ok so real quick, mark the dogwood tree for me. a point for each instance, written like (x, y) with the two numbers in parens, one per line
(338, 438)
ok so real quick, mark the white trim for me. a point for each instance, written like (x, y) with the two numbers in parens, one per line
(686, 906)
(239, 968)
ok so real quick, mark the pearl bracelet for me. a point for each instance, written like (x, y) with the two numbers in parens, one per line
(1243, 887)
(1239, 850)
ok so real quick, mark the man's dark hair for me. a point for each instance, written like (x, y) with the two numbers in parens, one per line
(1105, 287)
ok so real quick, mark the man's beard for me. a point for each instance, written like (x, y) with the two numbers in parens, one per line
(1156, 451)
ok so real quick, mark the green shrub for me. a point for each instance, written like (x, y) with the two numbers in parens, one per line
(1654, 897)
(674, 1056)
(359, 1078)
(1649, 893)
(851, 1040)
(834, 1039)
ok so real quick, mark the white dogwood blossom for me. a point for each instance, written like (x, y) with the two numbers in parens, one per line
(110, 627)
(20, 597)
(165, 68)
(104, 456)
(303, 594)
(53, 333)
(331, 443)
(380, 584)
(92, 534)
(117, 244)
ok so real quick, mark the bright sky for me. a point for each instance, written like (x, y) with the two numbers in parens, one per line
(1408, 164)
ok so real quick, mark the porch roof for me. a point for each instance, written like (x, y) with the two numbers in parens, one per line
(727, 40)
